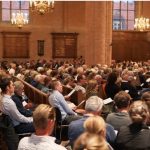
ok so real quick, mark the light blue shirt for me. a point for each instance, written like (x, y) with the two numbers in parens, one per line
(39, 143)
(56, 99)
(9, 108)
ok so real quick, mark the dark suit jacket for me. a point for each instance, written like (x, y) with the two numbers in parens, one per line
(133, 137)
(76, 129)
(18, 101)
(132, 91)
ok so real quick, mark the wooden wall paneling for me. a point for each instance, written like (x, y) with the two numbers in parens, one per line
(64, 45)
(130, 46)
(15, 44)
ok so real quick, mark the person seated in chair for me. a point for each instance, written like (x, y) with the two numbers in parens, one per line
(136, 135)
(56, 99)
(19, 101)
(93, 107)
(121, 117)
(44, 120)
(21, 123)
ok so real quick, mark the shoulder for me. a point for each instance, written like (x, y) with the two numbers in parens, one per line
(58, 147)
(111, 115)
(77, 123)
(15, 98)
(7, 101)
(23, 142)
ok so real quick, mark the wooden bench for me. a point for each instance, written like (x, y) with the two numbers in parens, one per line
(38, 97)
(35, 95)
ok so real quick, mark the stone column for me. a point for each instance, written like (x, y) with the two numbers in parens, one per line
(98, 34)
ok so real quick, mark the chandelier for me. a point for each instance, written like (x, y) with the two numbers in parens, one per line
(42, 6)
(19, 19)
(141, 24)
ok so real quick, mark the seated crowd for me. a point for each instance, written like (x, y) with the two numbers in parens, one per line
(122, 124)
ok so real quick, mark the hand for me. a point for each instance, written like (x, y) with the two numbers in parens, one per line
(29, 106)
(66, 97)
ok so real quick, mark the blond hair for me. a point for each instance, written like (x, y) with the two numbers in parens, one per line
(41, 116)
(95, 125)
(89, 141)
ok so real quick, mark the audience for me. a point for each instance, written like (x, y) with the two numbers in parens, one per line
(48, 76)
(44, 120)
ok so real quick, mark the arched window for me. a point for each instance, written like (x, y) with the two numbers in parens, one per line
(9, 7)
(123, 15)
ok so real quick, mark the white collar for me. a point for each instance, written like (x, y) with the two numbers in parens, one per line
(7, 96)
(44, 137)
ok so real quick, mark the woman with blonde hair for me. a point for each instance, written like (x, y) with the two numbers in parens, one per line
(136, 136)
(87, 141)
(96, 126)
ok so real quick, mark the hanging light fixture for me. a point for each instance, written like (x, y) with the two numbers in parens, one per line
(141, 23)
(42, 6)
(19, 19)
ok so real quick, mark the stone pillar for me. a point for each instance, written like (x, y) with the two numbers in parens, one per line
(98, 32)
(65, 16)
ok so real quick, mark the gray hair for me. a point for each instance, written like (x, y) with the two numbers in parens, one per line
(94, 104)
(18, 85)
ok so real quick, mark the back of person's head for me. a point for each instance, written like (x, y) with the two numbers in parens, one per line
(122, 99)
(139, 112)
(92, 84)
(94, 104)
(80, 70)
(4, 83)
(146, 97)
(95, 125)
(88, 141)
(80, 77)
(112, 78)
(42, 114)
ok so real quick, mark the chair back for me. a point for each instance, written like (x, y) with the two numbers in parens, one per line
(58, 116)
(60, 129)
(8, 132)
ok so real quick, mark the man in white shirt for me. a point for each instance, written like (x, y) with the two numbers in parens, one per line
(44, 119)
(21, 123)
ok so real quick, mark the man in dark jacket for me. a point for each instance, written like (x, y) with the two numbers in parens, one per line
(19, 101)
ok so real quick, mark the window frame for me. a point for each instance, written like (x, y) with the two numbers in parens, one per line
(12, 10)
(120, 17)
